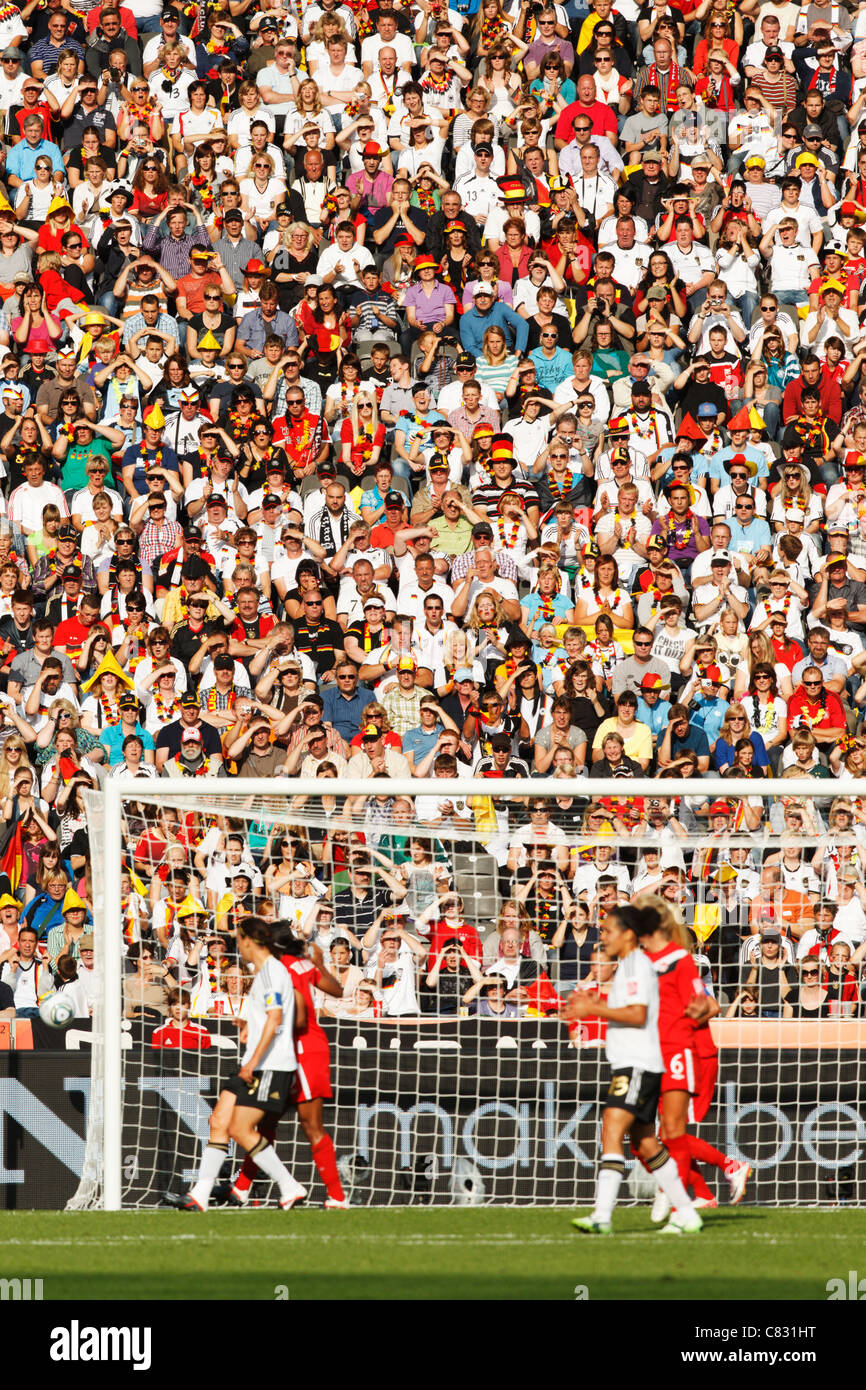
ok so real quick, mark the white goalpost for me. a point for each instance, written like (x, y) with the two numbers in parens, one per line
(451, 1101)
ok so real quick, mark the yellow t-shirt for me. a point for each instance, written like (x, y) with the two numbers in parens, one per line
(638, 746)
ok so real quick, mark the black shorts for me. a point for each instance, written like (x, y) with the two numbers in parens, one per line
(632, 1088)
(268, 1090)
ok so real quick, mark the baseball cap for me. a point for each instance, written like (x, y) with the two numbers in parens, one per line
(233, 215)
(394, 499)
(706, 410)
(224, 662)
(723, 558)
(406, 663)
(464, 359)
(463, 673)
(720, 808)
(191, 735)
(371, 731)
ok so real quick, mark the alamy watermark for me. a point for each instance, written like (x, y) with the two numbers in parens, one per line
(21, 1290)
(853, 1288)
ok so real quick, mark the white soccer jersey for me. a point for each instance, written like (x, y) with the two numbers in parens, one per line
(272, 988)
(635, 982)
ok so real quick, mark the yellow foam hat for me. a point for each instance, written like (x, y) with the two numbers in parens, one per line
(93, 320)
(154, 418)
(71, 901)
(802, 311)
(191, 907)
(58, 205)
(8, 901)
(109, 665)
(208, 342)
(5, 206)
(805, 159)
(756, 420)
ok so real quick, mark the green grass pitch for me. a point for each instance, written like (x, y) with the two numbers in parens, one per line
(501, 1253)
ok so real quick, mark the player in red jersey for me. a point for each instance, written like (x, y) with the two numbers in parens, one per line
(313, 1076)
(690, 1058)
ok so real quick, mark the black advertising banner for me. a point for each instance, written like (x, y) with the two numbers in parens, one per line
(469, 1111)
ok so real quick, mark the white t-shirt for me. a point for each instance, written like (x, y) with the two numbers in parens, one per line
(635, 982)
(271, 989)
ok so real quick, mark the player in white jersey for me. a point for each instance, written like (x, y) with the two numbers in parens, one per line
(636, 1065)
(265, 1076)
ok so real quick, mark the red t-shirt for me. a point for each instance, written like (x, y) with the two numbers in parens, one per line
(263, 625)
(787, 656)
(363, 447)
(679, 982)
(72, 635)
(812, 714)
(465, 934)
(190, 1035)
(305, 975)
(602, 116)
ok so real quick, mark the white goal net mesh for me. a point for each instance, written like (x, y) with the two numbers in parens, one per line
(456, 918)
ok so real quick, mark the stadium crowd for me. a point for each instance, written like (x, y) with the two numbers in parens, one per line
(402, 390)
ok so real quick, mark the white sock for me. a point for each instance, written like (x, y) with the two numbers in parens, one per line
(668, 1179)
(212, 1161)
(607, 1191)
(267, 1160)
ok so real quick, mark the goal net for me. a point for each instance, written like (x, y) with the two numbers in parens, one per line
(455, 917)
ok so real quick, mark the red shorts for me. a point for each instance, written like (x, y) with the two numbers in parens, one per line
(681, 1071)
(702, 1099)
(313, 1076)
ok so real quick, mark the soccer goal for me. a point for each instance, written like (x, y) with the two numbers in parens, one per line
(455, 917)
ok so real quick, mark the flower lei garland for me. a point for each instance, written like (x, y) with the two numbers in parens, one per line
(679, 541)
(363, 18)
(638, 429)
(110, 712)
(155, 462)
(492, 30)
(438, 86)
(204, 190)
(241, 426)
(515, 532)
(199, 771)
(426, 200)
(165, 712)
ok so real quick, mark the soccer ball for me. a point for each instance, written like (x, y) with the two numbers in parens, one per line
(56, 1010)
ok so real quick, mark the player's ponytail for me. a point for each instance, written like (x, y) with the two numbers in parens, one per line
(257, 930)
(629, 918)
(285, 942)
(665, 918)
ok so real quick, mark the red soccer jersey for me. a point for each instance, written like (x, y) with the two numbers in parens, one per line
(304, 976)
(465, 934)
(679, 982)
(190, 1035)
(71, 635)
(704, 1042)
